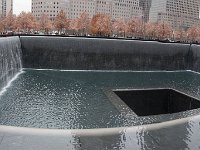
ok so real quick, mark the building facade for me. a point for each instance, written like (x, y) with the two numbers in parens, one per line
(47, 7)
(5, 7)
(145, 5)
(180, 14)
(76, 7)
(126, 9)
(73, 8)
(103, 6)
(115, 8)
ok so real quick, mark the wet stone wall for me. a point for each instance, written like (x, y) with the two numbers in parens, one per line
(195, 59)
(103, 54)
(10, 59)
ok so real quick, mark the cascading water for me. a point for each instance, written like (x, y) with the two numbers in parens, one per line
(10, 59)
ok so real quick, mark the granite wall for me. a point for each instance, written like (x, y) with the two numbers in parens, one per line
(103, 54)
(195, 59)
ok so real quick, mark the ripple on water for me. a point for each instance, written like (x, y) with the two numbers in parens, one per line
(71, 100)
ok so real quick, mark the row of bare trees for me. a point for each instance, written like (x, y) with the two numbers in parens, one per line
(98, 25)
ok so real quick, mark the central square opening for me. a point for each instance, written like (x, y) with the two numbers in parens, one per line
(149, 102)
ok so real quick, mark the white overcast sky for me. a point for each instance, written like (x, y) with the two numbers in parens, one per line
(21, 5)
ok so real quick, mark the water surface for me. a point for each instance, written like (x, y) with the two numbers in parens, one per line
(76, 99)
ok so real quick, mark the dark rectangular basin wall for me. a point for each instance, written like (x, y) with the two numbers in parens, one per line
(103, 54)
(195, 59)
(180, 102)
(157, 101)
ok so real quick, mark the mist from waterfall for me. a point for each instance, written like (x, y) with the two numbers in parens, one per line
(10, 59)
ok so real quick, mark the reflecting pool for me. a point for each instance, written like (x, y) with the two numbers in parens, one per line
(77, 99)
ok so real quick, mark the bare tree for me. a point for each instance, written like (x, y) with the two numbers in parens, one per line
(61, 22)
(101, 25)
(9, 22)
(45, 23)
(164, 31)
(73, 25)
(135, 27)
(179, 35)
(26, 22)
(83, 23)
(119, 27)
(193, 34)
(2, 26)
(150, 30)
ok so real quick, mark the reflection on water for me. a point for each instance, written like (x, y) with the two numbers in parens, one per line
(75, 99)
(168, 136)
(179, 136)
(132, 138)
(127, 139)
(193, 136)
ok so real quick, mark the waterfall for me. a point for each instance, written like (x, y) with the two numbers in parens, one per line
(76, 53)
(10, 59)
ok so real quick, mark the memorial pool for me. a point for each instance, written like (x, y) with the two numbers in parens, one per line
(61, 99)
(78, 94)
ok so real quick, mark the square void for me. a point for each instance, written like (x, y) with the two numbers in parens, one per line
(157, 101)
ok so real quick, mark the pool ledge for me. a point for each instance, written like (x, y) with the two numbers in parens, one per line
(91, 132)
(76, 139)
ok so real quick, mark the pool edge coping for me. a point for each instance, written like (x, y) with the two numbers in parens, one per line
(91, 132)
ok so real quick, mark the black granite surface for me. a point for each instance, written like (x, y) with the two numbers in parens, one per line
(103, 54)
(149, 102)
